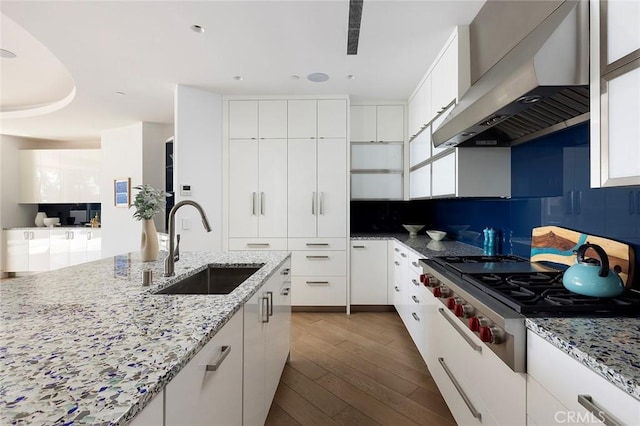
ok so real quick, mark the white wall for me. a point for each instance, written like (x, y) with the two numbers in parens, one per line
(13, 214)
(135, 152)
(198, 162)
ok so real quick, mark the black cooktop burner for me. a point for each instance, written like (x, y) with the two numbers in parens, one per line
(543, 292)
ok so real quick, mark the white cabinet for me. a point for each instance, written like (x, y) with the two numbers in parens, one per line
(400, 275)
(615, 83)
(243, 119)
(420, 182)
(73, 246)
(376, 186)
(377, 123)
(258, 188)
(267, 325)
(419, 106)
(368, 272)
(253, 119)
(272, 119)
(317, 188)
(27, 250)
(209, 387)
(152, 414)
(570, 388)
(322, 118)
(477, 172)
(60, 176)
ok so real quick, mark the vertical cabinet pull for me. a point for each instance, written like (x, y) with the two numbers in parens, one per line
(89, 235)
(31, 235)
(587, 402)
(464, 396)
(225, 350)
(262, 203)
(26, 235)
(253, 203)
(264, 313)
(71, 236)
(322, 203)
(313, 203)
(270, 304)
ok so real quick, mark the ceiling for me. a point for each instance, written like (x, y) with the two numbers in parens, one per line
(73, 57)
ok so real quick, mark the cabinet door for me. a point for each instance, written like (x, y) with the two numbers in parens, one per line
(272, 119)
(48, 176)
(80, 170)
(332, 118)
(29, 177)
(444, 81)
(77, 246)
(302, 188)
(243, 119)
(443, 176)
(420, 148)
(377, 156)
(621, 31)
(420, 182)
(59, 248)
(195, 396)
(363, 123)
(39, 250)
(332, 188)
(94, 245)
(243, 188)
(369, 272)
(390, 123)
(376, 186)
(17, 250)
(255, 325)
(302, 119)
(278, 330)
(152, 414)
(272, 183)
(399, 278)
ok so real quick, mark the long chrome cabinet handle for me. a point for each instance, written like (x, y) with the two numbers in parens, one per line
(322, 203)
(317, 244)
(318, 282)
(464, 336)
(262, 203)
(257, 244)
(265, 310)
(358, 246)
(270, 304)
(317, 257)
(313, 203)
(475, 413)
(253, 203)
(587, 402)
(218, 362)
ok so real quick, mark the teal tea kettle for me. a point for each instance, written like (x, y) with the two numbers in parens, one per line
(591, 277)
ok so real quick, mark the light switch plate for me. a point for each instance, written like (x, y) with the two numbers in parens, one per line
(186, 223)
(185, 190)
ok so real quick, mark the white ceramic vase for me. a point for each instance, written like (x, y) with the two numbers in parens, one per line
(40, 219)
(149, 247)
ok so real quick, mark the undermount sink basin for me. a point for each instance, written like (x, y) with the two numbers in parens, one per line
(213, 280)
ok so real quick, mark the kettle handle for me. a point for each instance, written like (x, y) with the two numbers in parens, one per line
(604, 259)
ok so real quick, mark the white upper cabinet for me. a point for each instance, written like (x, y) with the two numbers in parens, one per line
(363, 123)
(243, 119)
(377, 123)
(444, 84)
(60, 176)
(302, 118)
(272, 119)
(615, 84)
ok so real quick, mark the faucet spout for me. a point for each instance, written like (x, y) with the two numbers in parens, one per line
(169, 263)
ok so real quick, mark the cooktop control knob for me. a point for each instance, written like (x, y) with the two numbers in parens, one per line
(476, 322)
(453, 301)
(463, 310)
(425, 278)
(441, 291)
(490, 334)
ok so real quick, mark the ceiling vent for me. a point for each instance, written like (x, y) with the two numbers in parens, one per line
(355, 16)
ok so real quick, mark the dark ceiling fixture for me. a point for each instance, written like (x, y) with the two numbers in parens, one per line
(355, 15)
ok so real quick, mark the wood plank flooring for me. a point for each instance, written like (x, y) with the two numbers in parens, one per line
(354, 370)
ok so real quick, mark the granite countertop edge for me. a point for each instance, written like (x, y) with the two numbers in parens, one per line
(197, 319)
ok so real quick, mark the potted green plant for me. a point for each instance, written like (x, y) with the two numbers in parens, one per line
(148, 202)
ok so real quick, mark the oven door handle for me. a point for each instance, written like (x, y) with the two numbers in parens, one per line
(475, 413)
(471, 343)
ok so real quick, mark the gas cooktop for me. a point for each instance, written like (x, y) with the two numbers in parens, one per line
(490, 264)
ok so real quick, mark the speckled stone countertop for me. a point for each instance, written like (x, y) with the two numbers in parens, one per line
(425, 246)
(90, 345)
(608, 346)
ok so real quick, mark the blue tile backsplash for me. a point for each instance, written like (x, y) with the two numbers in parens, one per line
(550, 186)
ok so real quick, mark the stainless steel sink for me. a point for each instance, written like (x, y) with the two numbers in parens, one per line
(213, 280)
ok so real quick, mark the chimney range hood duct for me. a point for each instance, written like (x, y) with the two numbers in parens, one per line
(541, 85)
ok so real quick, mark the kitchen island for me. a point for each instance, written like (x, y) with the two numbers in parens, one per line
(91, 344)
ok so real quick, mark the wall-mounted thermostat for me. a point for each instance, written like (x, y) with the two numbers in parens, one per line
(185, 190)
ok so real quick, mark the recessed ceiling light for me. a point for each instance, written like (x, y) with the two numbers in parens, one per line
(4, 53)
(237, 77)
(317, 77)
(295, 77)
(351, 77)
(197, 29)
(120, 93)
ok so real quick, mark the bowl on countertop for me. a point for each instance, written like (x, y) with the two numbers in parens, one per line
(51, 221)
(413, 229)
(436, 235)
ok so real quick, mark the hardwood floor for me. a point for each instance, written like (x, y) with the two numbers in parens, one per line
(361, 369)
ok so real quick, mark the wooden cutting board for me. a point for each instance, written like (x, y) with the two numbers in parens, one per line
(559, 245)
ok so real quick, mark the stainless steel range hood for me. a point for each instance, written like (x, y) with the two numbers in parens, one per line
(538, 86)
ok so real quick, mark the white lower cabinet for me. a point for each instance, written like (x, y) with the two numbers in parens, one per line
(369, 272)
(561, 390)
(153, 414)
(26, 250)
(267, 325)
(208, 390)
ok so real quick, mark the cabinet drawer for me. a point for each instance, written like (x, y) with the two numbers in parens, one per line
(565, 378)
(319, 263)
(257, 243)
(317, 244)
(318, 291)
